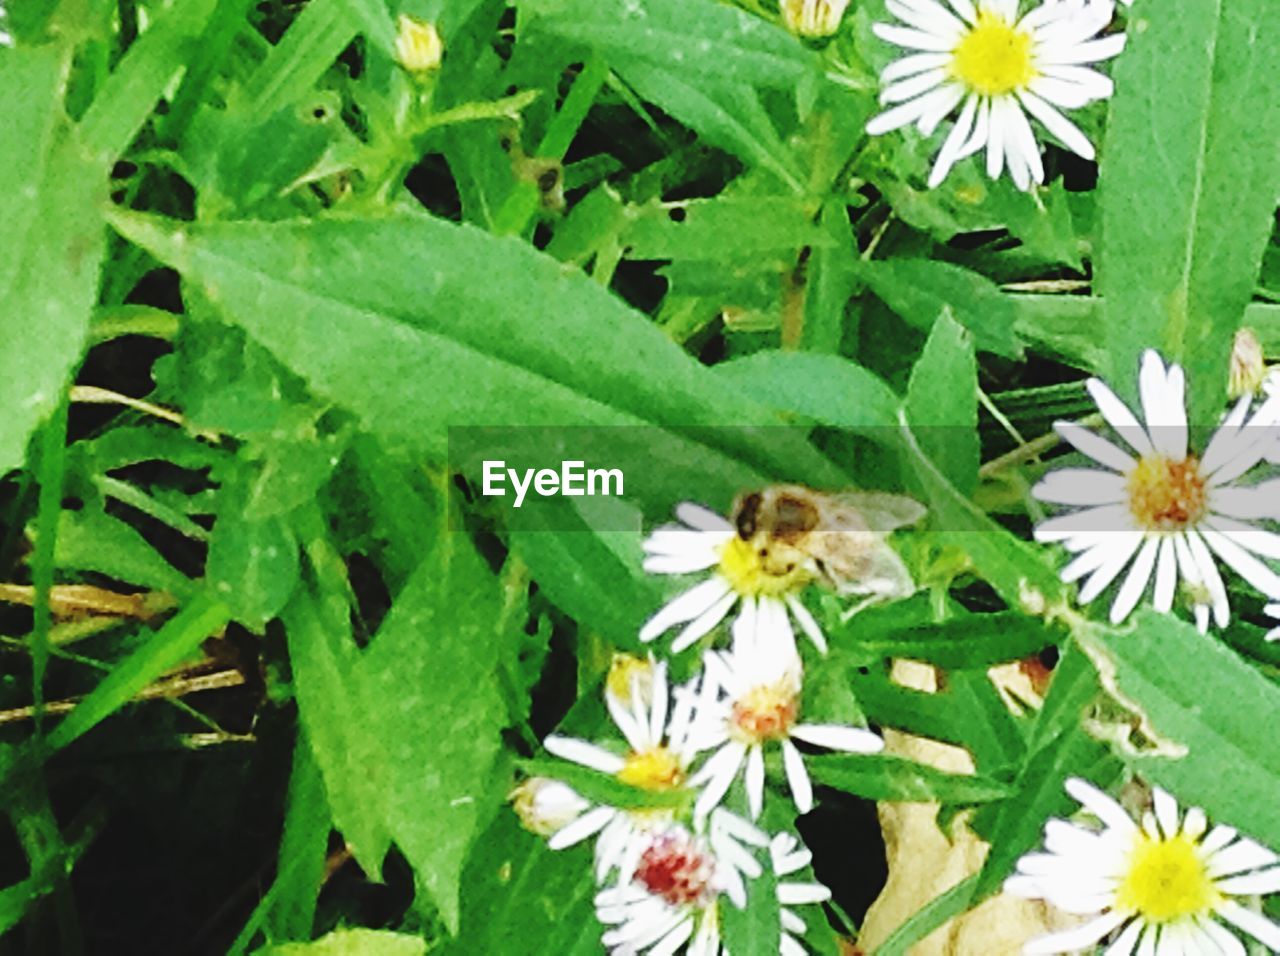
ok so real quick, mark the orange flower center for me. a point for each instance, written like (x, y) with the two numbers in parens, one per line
(1167, 495)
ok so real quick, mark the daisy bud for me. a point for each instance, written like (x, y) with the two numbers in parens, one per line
(626, 671)
(419, 48)
(1248, 369)
(813, 18)
(545, 806)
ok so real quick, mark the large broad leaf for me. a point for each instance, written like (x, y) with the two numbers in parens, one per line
(518, 895)
(407, 734)
(1211, 717)
(1189, 182)
(416, 324)
(49, 195)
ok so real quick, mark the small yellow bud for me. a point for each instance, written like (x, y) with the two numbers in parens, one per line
(627, 671)
(419, 48)
(1248, 368)
(813, 18)
(545, 806)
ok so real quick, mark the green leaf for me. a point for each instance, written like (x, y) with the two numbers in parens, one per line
(50, 192)
(694, 39)
(407, 733)
(885, 777)
(1059, 748)
(831, 281)
(963, 642)
(399, 318)
(929, 917)
(1198, 144)
(942, 403)
(727, 227)
(92, 540)
(1019, 571)
(824, 389)
(516, 891)
(141, 78)
(253, 563)
(1205, 708)
(178, 640)
(755, 929)
(352, 942)
(919, 290)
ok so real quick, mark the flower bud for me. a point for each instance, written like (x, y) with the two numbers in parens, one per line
(419, 48)
(545, 806)
(626, 671)
(813, 18)
(1248, 368)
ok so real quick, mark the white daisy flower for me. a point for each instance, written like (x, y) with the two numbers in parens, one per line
(754, 702)
(545, 806)
(789, 856)
(998, 69)
(674, 896)
(1163, 888)
(1273, 610)
(1166, 511)
(706, 541)
(660, 752)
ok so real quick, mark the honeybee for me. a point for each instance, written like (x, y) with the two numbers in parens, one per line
(838, 540)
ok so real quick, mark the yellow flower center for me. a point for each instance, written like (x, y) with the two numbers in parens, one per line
(766, 713)
(753, 572)
(1166, 881)
(654, 769)
(994, 57)
(1167, 495)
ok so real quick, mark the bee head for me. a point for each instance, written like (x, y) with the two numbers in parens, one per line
(746, 513)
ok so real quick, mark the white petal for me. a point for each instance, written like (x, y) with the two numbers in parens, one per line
(1166, 809)
(1119, 416)
(801, 894)
(754, 780)
(1166, 577)
(1251, 884)
(1101, 805)
(701, 518)
(797, 777)
(807, 623)
(911, 65)
(581, 752)
(1135, 585)
(704, 624)
(1081, 486)
(1067, 132)
(913, 39)
(1120, 552)
(955, 140)
(1079, 937)
(1243, 563)
(1095, 446)
(587, 825)
(686, 607)
(1254, 924)
(836, 737)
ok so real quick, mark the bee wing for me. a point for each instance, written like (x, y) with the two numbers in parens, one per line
(882, 511)
(884, 576)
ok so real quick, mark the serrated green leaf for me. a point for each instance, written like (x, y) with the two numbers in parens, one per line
(398, 319)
